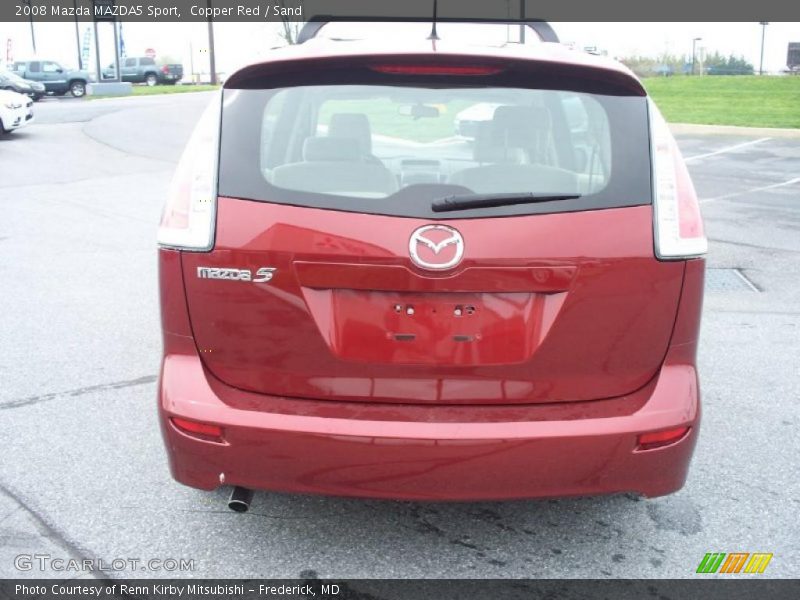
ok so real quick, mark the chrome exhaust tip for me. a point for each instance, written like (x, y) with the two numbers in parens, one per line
(240, 499)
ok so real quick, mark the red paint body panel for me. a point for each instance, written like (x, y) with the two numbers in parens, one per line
(429, 452)
(528, 370)
(424, 452)
(589, 317)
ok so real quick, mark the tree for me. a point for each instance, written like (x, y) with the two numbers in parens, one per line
(717, 64)
(291, 29)
(646, 66)
(667, 64)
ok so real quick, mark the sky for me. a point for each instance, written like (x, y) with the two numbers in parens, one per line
(238, 44)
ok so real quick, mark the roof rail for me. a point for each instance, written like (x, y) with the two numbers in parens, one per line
(317, 22)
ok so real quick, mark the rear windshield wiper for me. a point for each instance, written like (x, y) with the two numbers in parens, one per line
(467, 201)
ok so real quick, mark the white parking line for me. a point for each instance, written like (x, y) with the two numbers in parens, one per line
(750, 191)
(746, 281)
(726, 149)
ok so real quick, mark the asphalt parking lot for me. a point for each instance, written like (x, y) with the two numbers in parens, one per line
(83, 472)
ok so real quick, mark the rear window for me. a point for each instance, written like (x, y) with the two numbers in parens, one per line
(393, 149)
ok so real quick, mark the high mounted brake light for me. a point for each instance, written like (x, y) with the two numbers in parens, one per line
(187, 222)
(677, 223)
(421, 69)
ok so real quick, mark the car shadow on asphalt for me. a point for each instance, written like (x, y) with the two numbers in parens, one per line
(16, 135)
(526, 536)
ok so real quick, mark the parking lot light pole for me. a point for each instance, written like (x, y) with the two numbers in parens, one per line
(694, 51)
(118, 76)
(211, 54)
(97, 54)
(763, 33)
(33, 36)
(78, 36)
(30, 15)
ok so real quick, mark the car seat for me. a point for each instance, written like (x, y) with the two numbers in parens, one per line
(512, 150)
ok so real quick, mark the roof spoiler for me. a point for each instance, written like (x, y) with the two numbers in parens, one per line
(317, 22)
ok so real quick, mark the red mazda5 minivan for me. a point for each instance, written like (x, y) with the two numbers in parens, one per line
(431, 271)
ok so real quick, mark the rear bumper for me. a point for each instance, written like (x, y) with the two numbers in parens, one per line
(427, 453)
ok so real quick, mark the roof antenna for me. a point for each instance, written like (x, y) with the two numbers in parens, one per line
(434, 36)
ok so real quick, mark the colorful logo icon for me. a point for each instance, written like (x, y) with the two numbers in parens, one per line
(734, 562)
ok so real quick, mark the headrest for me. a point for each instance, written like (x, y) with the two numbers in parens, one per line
(352, 125)
(511, 130)
(317, 149)
(521, 119)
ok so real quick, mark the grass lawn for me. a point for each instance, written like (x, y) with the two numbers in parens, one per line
(146, 90)
(748, 101)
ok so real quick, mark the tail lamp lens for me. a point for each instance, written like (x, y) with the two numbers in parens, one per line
(678, 225)
(187, 222)
(658, 439)
(203, 431)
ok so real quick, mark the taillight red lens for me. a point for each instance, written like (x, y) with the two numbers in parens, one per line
(690, 220)
(658, 439)
(165, 69)
(417, 69)
(204, 431)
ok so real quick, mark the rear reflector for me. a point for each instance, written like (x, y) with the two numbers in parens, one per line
(203, 431)
(401, 69)
(657, 439)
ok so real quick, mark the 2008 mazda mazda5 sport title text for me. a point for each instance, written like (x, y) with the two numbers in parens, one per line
(361, 296)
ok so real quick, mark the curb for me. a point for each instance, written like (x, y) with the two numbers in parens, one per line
(773, 132)
(137, 97)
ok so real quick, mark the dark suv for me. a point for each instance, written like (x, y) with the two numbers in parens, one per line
(56, 79)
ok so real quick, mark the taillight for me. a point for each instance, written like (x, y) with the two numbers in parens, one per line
(678, 225)
(187, 222)
(429, 69)
(165, 70)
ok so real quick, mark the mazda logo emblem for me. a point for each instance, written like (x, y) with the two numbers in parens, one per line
(436, 247)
